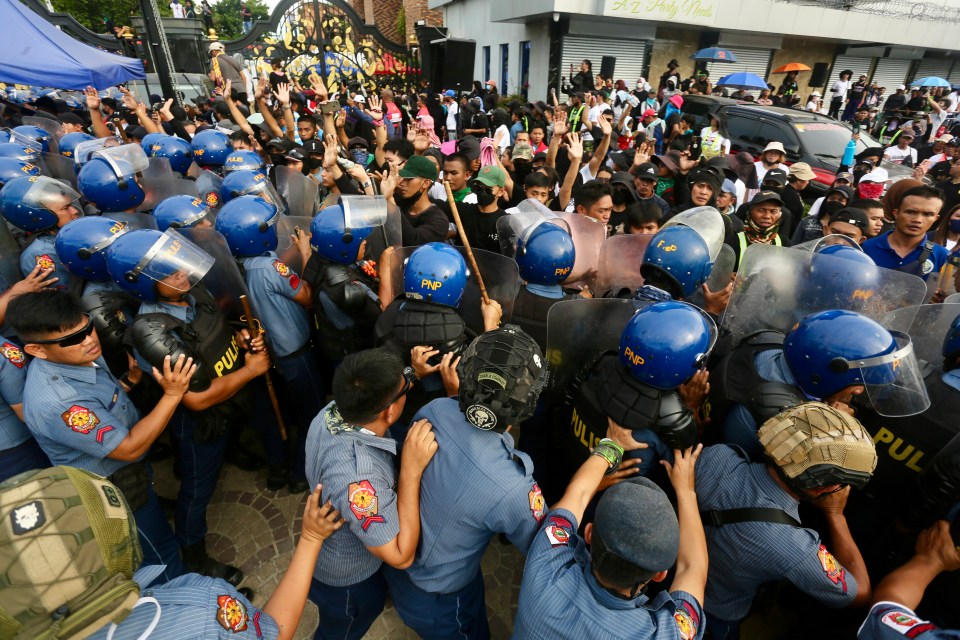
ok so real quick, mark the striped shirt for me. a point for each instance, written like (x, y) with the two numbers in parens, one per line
(475, 486)
(358, 476)
(746, 555)
(273, 285)
(192, 607)
(13, 374)
(561, 598)
(78, 414)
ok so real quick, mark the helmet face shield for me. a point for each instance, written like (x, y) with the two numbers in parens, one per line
(85, 150)
(125, 160)
(173, 261)
(53, 196)
(893, 381)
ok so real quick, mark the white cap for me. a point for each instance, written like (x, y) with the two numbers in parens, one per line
(773, 145)
(215, 46)
(815, 93)
(359, 98)
(902, 87)
(877, 175)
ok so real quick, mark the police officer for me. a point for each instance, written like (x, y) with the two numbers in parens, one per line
(81, 415)
(477, 485)
(41, 205)
(11, 168)
(68, 143)
(211, 148)
(349, 448)
(95, 522)
(570, 590)
(662, 347)
(181, 212)
(111, 179)
(814, 453)
(81, 247)
(243, 160)
(245, 182)
(179, 316)
(19, 450)
(175, 149)
(249, 225)
(346, 304)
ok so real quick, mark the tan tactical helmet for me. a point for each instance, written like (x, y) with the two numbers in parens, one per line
(814, 445)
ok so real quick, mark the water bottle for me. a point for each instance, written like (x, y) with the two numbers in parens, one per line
(849, 153)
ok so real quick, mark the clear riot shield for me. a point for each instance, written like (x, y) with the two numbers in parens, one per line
(588, 236)
(706, 221)
(778, 286)
(827, 241)
(9, 257)
(86, 149)
(159, 182)
(223, 280)
(300, 192)
(579, 330)
(723, 267)
(61, 168)
(50, 126)
(286, 250)
(500, 275)
(953, 299)
(927, 326)
(135, 221)
(529, 213)
(208, 188)
(373, 211)
(620, 260)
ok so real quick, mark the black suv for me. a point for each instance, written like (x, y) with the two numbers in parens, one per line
(806, 136)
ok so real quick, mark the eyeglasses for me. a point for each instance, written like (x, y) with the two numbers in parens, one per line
(479, 187)
(409, 377)
(72, 339)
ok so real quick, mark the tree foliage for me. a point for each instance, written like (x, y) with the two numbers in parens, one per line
(226, 16)
(95, 15)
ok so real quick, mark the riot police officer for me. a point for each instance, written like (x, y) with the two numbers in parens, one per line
(81, 415)
(179, 315)
(175, 149)
(19, 450)
(243, 160)
(11, 168)
(282, 299)
(68, 143)
(211, 148)
(41, 205)
(111, 178)
(182, 211)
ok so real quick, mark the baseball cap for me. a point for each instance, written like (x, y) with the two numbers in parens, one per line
(216, 46)
(646, 171)
(542, 156)
(877, 175)
(845, 175)
(419, 167)
(285, 144)
(851, 215)
(766, 196)
(902, 87)
(490, 175)
(296, 154)
(359, 98)
(312, 146)
(648, 113)
(470, 147)
(709, 175)
(450, 93)
(777, 176)
(358, 142)
(802, 171)
(773, 145)
(622, 158)
(944, 138)
(635, 533)
(728, 186)
(907, 133)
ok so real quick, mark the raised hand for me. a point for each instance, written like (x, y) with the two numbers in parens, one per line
(574, 147)
(282, 94)
(92, 97)
(329, 151)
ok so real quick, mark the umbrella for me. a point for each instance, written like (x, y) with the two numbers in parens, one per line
(930, 81)
(791, 66)
(714, 54)
(742, 80)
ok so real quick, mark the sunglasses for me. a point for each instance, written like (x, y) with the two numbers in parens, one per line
(479, 187)
(72, 339)
(409, 377)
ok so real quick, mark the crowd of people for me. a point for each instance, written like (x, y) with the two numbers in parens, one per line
(733, 399)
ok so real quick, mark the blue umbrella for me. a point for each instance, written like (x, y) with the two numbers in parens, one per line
(930, 81)
(714, 54)
(742, 80)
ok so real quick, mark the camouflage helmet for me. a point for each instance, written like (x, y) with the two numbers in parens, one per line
(814, 445)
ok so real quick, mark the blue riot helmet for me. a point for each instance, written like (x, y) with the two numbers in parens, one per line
(39, 203)
(664, 344)
(848, 276)
(951, 342)
(82, 244)
(545, 253)
(140, 259)
(211, 148)
(18, 151)
(176, 150)
(176, 212)
(39, 136)
(250, 183)
(437, 273)
(249, 225)
(243, 160)
(110, 181)
(69, 142)
(829, 351)
(146, 142)
(11, 168)
(677, 260)
(333, 239)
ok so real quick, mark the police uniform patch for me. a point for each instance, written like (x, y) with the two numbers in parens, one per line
(45, 262)
(363, 503)
(899, 620)
(927, 266)
(686, 619)
(287, 272)
(80, 419)
(212, 199)
(231, 614)
(481, 417)
(832, 568)
(27, 517)
(536, 502)
(13, 353)
(558, 536)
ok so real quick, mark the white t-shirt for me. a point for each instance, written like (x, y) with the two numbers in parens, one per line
(452, 117)
(178, 11)
(936, 119)
(505, 140)
(896, 155)
(840, 88)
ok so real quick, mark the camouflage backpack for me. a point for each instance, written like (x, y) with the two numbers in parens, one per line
(68, 550)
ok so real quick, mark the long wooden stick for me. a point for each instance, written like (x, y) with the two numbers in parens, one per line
(255, 330)
(466, 243)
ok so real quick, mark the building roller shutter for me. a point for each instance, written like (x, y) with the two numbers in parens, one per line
(859, 66)
(939, 67)
(891, 73)
(756, 61)
(631, 57)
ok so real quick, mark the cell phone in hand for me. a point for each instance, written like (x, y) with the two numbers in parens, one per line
(856, 128)
(695, 147)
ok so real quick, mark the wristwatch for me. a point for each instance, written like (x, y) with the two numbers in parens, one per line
(366, 185)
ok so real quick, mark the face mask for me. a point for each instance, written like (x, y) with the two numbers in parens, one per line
(405, 201)
(360, 156)
(955, 226)
(485, 199)
(276, 159)
(619, 197)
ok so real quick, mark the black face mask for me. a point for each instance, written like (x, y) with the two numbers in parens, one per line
(277, 159)
(405, 202)
(485, 198)
(619, 197)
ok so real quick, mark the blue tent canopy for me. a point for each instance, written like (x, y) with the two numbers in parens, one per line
(35, 52)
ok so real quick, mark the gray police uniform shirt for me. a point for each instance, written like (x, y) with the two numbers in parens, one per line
(13, 374)
(746, 555)
(273, 285)
(42, 251)
(475, 486)
(191, 607)
(78, 414)
(561, 598)
(356, 468)
(890, 621)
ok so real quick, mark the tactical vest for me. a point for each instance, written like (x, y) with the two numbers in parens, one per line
(734, 380)
(409, 323)
(907, 445)
(530, 314)
(112, 312)
(344, 309)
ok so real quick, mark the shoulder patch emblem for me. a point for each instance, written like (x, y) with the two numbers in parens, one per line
(687, 621)
(832, 568)
(481, 417)
(281, 268)
(558, 536)
(44, 261)
(27, 517)
(212, 199)
(899, 620)
(536, 502)
(13, 353)
(363, 503)
(80, 419)
(231, 614)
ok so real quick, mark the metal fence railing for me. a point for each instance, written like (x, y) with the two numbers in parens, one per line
(927, 11)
